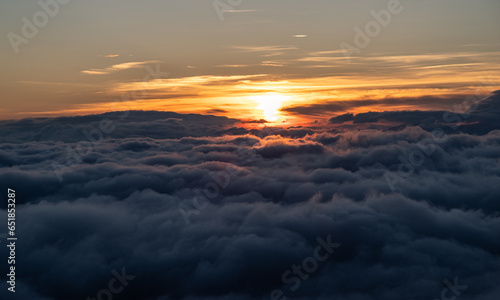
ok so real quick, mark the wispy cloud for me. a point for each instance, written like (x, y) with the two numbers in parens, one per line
(118, 67)
(240, 10)
(320, 53)
(266, 50)
(193, 83)
(273, 63)
(322, 59)
(417, 58)
(450, 66)
(232, 66)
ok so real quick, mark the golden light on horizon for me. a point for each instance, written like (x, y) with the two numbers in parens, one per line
(270, 105)
(255, 97)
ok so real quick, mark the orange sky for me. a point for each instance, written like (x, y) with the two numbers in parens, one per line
(260, 60)
(254, 97)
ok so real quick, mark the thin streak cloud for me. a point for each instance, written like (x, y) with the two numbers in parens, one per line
(118, 67)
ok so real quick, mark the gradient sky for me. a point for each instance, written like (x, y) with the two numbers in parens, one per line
(267, 145)
(261, 58)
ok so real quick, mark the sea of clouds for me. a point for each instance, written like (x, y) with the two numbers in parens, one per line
(196, 207)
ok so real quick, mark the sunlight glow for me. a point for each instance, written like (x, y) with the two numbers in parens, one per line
(270, 104)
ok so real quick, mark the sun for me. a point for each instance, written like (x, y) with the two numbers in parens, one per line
(270, 104)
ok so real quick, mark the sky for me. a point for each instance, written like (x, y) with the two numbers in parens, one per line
(253, 59)
(250, 149)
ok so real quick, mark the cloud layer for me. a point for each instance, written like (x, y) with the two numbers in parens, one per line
(196, 208)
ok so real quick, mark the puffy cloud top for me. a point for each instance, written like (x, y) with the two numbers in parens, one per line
(196, 208)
